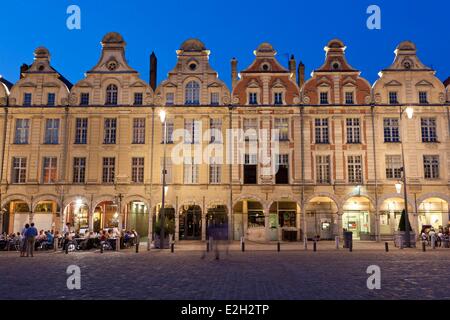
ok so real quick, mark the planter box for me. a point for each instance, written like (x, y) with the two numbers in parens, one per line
(399, 236)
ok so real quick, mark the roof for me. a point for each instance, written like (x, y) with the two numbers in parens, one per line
(6, 83)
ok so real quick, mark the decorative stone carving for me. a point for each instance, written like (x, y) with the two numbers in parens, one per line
(306, 99)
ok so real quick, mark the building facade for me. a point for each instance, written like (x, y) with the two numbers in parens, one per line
(93, 153)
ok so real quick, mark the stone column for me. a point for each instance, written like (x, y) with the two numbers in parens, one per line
(298, 224)
(267, 224)
(244, 218)
(90, 219)
(340, 231)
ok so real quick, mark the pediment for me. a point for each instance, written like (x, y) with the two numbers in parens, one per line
(424, 83)
(253, 84)
(170, 85)
(324, 82)
(393, 83)
(349, 82)
(214, 85)
(278, 84)
(51, 85)
(85, 84)
(28, 84)
(138, 84)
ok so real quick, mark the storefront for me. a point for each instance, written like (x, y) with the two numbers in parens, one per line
(137, 218)
(433, 212)
(390, 214)
(46, 215)
(356, 218)
(283, 221)
(190, 223)
(15, 215)
(249, 220)
(77, 214)
(321, 218)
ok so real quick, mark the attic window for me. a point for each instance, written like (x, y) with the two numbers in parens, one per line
(265, 67)
(41, 68)
(407, 65)
(192, 66)
(336, 65)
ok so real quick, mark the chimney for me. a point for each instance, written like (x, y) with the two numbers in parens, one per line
(234, 75)
(153, 70)
(301, 74)
(23, 68)
(292, 65)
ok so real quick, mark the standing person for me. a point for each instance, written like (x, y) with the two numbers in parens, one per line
(30, 238)
(23, 242)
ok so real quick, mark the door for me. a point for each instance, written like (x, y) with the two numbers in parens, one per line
(217, 223)
(190, 224)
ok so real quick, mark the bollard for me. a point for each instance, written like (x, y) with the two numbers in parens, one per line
(336, 239)
(172, 247)
(67, 248)
(278, 246)
(386, 247)
(101, 247)
(350, 247)
(207, 246)
(424, 246)
(137, 245)
(401, 243)
(305, 243)
(315, 246)
(242, 244)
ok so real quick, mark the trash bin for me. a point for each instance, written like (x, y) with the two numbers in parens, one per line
(348, 238)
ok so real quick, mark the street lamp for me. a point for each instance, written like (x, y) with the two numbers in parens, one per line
(162, 117)
(409, 113)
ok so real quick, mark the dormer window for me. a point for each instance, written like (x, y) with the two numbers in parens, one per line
(169, 98)
(324, 98)
(214, 98)
(84, 99)
(349, 98)
(393, 99)
(138, 99)
(27, 98)
(111, 94)
(192, 93)
(252, 98)
(278, 98)
(51, 99)
(423, 97)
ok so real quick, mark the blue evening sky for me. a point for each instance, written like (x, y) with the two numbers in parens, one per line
(229, 28)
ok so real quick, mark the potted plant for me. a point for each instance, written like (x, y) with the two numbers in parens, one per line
(400, 235)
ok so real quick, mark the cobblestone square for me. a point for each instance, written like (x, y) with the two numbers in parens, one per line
(258, 273)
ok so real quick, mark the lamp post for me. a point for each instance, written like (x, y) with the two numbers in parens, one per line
(162, 117)
(409, 112)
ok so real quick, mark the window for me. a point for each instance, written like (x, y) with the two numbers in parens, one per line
(190, 171)
(51, 131)
(214, 98)
(321, 130)
(354, 165)
(323, 169)
(192, 93)
(81, 127)
(110, 131)
(168, 169)
(428, 126)
(167, 136)
(111, 94)
(282, 125)
(27, 99)
(49, 170)
(215, 127)
(19, 170)
(51, 99)
(423, 97)
(138, 100)
(393, 97)
(79, 170)
(278, 98)
(391, 130)
(22, 131)
(108, 170)
(282, 174)
(215, 172)
(353, 130)
(324, 98)
(394, 167)
(252, 98)
(138, 130)
(191, 131)
(137, 170)
(431, 167)
(250, 169)
(170, 98)
(84, 99)
(251, 129)
(349, 98)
